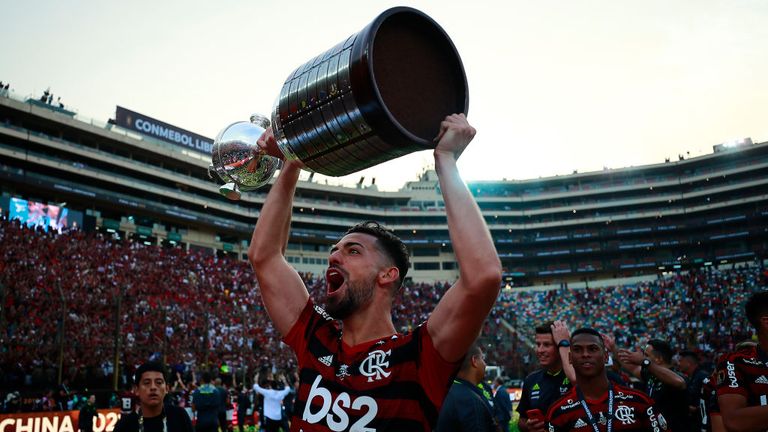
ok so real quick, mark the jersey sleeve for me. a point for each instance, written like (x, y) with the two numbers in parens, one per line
(551, 427)
(435, 372)
(730, 377)
(297, 338)
(654, 418)
(524, 404)
(555, 421)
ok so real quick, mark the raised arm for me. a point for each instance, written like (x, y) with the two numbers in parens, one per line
(282, 290)
(560, 332)
(632, 360)
(459, 316)
(180, 382)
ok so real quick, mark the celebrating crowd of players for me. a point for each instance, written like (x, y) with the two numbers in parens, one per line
(583, 383)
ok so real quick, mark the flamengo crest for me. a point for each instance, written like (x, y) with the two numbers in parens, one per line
(625, 414)
(373, 365)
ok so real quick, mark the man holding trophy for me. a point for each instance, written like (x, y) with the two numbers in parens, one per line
(359, 373)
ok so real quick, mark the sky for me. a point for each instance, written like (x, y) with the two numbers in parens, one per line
(555, 85)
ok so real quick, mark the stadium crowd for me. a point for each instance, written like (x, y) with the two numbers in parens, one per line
(196, 311)
(697, 310)
(189, 309)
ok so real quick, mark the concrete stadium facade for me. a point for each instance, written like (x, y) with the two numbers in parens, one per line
(615, 223)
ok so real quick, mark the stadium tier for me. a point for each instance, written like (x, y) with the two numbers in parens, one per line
(137, 177)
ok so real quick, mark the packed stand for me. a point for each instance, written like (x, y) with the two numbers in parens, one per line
(195, 311)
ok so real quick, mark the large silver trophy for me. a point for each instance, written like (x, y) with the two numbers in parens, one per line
(378, 95)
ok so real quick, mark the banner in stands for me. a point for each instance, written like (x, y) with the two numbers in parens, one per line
(146, 125)
(56, 421)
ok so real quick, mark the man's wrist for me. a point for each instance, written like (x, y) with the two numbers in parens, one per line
(443, 156)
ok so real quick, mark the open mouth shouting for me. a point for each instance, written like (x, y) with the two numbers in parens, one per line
(334, 279)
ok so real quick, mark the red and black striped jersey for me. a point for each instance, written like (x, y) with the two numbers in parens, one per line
(632, 411)
(397, 383)
(744, 372)
(708, 406)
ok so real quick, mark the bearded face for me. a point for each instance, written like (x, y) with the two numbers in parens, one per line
(351, 278)
(350, 296)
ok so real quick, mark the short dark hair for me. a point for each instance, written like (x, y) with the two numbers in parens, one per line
(756, 308)
(663, 349)
(589, 331)
(473, 350)
(690, 355)
(150, 367)
(205, 377)
(391, 244)
(545, 328)
(745, 344)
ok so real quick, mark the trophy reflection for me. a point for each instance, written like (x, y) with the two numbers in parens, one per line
(238, 160)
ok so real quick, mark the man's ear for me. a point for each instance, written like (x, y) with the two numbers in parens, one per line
(474, 361)
(388, 275)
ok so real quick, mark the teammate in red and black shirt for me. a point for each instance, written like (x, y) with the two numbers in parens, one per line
(742, 376)
(368, 374)
(596, 403)
(709, 411)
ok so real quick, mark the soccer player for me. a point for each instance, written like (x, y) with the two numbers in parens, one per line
(595, 403)
(363, 374)
(151, 386)
(742, 376)
(653, 366)
(711, 420)
(709, 411)
(689, 365)
(554, 379)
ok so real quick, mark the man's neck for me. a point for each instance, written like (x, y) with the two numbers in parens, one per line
(554, 369)
(468, 376)
(593, 387)
(369, 323)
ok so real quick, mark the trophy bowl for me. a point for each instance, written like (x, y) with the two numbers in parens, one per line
(375, 96)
